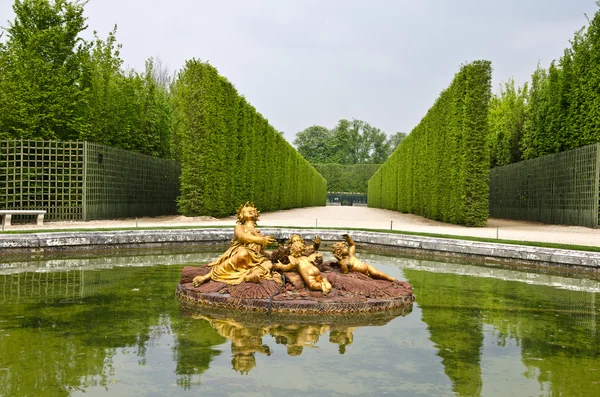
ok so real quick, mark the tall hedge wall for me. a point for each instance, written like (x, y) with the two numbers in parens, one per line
(441, 170)
(347, 177)
(230, 154)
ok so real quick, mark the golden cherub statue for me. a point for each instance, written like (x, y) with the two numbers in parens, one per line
(344, 253)
(305, 265)
(245, 259)
(283, 253)
(310, 249)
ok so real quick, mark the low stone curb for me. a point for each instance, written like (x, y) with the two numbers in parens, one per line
(128, 239)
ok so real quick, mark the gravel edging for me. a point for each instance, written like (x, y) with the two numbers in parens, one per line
(41, 243)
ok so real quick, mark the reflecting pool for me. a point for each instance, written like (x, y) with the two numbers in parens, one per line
(112, 326)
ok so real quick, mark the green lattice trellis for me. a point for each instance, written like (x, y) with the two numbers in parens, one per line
(85, 181)
(126, 184)
(562, 188)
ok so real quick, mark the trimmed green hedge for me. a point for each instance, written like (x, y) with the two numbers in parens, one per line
(230, 154)
(441, 170)
(347, 177)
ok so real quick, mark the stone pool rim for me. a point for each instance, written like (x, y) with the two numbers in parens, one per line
(98, 241)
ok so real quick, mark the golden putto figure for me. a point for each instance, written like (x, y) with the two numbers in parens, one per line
(344, 253)
(245, 260)
(305, 266)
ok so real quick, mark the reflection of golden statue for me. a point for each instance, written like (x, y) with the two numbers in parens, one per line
(342, 336)
(245, 342)
(344, 253)
(296, 337)
(245, 259)
(243, 359)
(305, 265)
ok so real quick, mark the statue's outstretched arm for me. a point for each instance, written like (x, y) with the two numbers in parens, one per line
(316, 243)
(284, 268)
(351, 244)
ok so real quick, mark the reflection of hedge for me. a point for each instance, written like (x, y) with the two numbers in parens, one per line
(441, 169)
(230, 154)
(347, 178)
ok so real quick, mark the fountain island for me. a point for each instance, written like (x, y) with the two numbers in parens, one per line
(292, 280)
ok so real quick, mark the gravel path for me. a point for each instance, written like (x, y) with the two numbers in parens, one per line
(360, 217)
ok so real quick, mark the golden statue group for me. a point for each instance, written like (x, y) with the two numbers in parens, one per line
(303, 296)
(247, 262)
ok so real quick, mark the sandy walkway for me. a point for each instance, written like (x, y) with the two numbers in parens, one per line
(361, 217)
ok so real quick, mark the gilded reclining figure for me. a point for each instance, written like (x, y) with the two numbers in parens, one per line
(305, 266)
(245, 260)
(344, 253)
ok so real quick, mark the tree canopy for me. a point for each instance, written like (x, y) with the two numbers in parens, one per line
(396, 140)
(41, 74)
(349, 142)
(558, 110)
(56, 85)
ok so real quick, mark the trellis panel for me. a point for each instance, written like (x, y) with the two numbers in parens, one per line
(561, 188)
(84, 181)
(42, 175)
(121, 184)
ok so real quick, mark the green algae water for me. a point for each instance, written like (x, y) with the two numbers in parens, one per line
(111, 326)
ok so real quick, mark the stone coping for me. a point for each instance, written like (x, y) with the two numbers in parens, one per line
(39, 243)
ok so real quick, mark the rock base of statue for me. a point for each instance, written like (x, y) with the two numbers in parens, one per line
(352, 293)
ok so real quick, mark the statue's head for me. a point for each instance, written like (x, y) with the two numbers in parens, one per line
(341, 337)
(243, 363)
(294, 350)
(247, 211)
(297, 248)
(339, 249)
(295, 238)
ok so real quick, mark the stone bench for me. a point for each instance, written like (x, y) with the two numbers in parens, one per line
(7, 215)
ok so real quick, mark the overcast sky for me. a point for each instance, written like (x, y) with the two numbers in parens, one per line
(305, 62)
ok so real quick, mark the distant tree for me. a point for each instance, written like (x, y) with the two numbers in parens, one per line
(315, 144)
(350, 142)
(373, 147)
(396, 140)
(104, 75)
(563, 102)
(345, 140)
(128, 110)
(507, 121)
(161, 74)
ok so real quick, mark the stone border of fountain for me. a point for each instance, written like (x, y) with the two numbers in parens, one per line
(41, 243)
